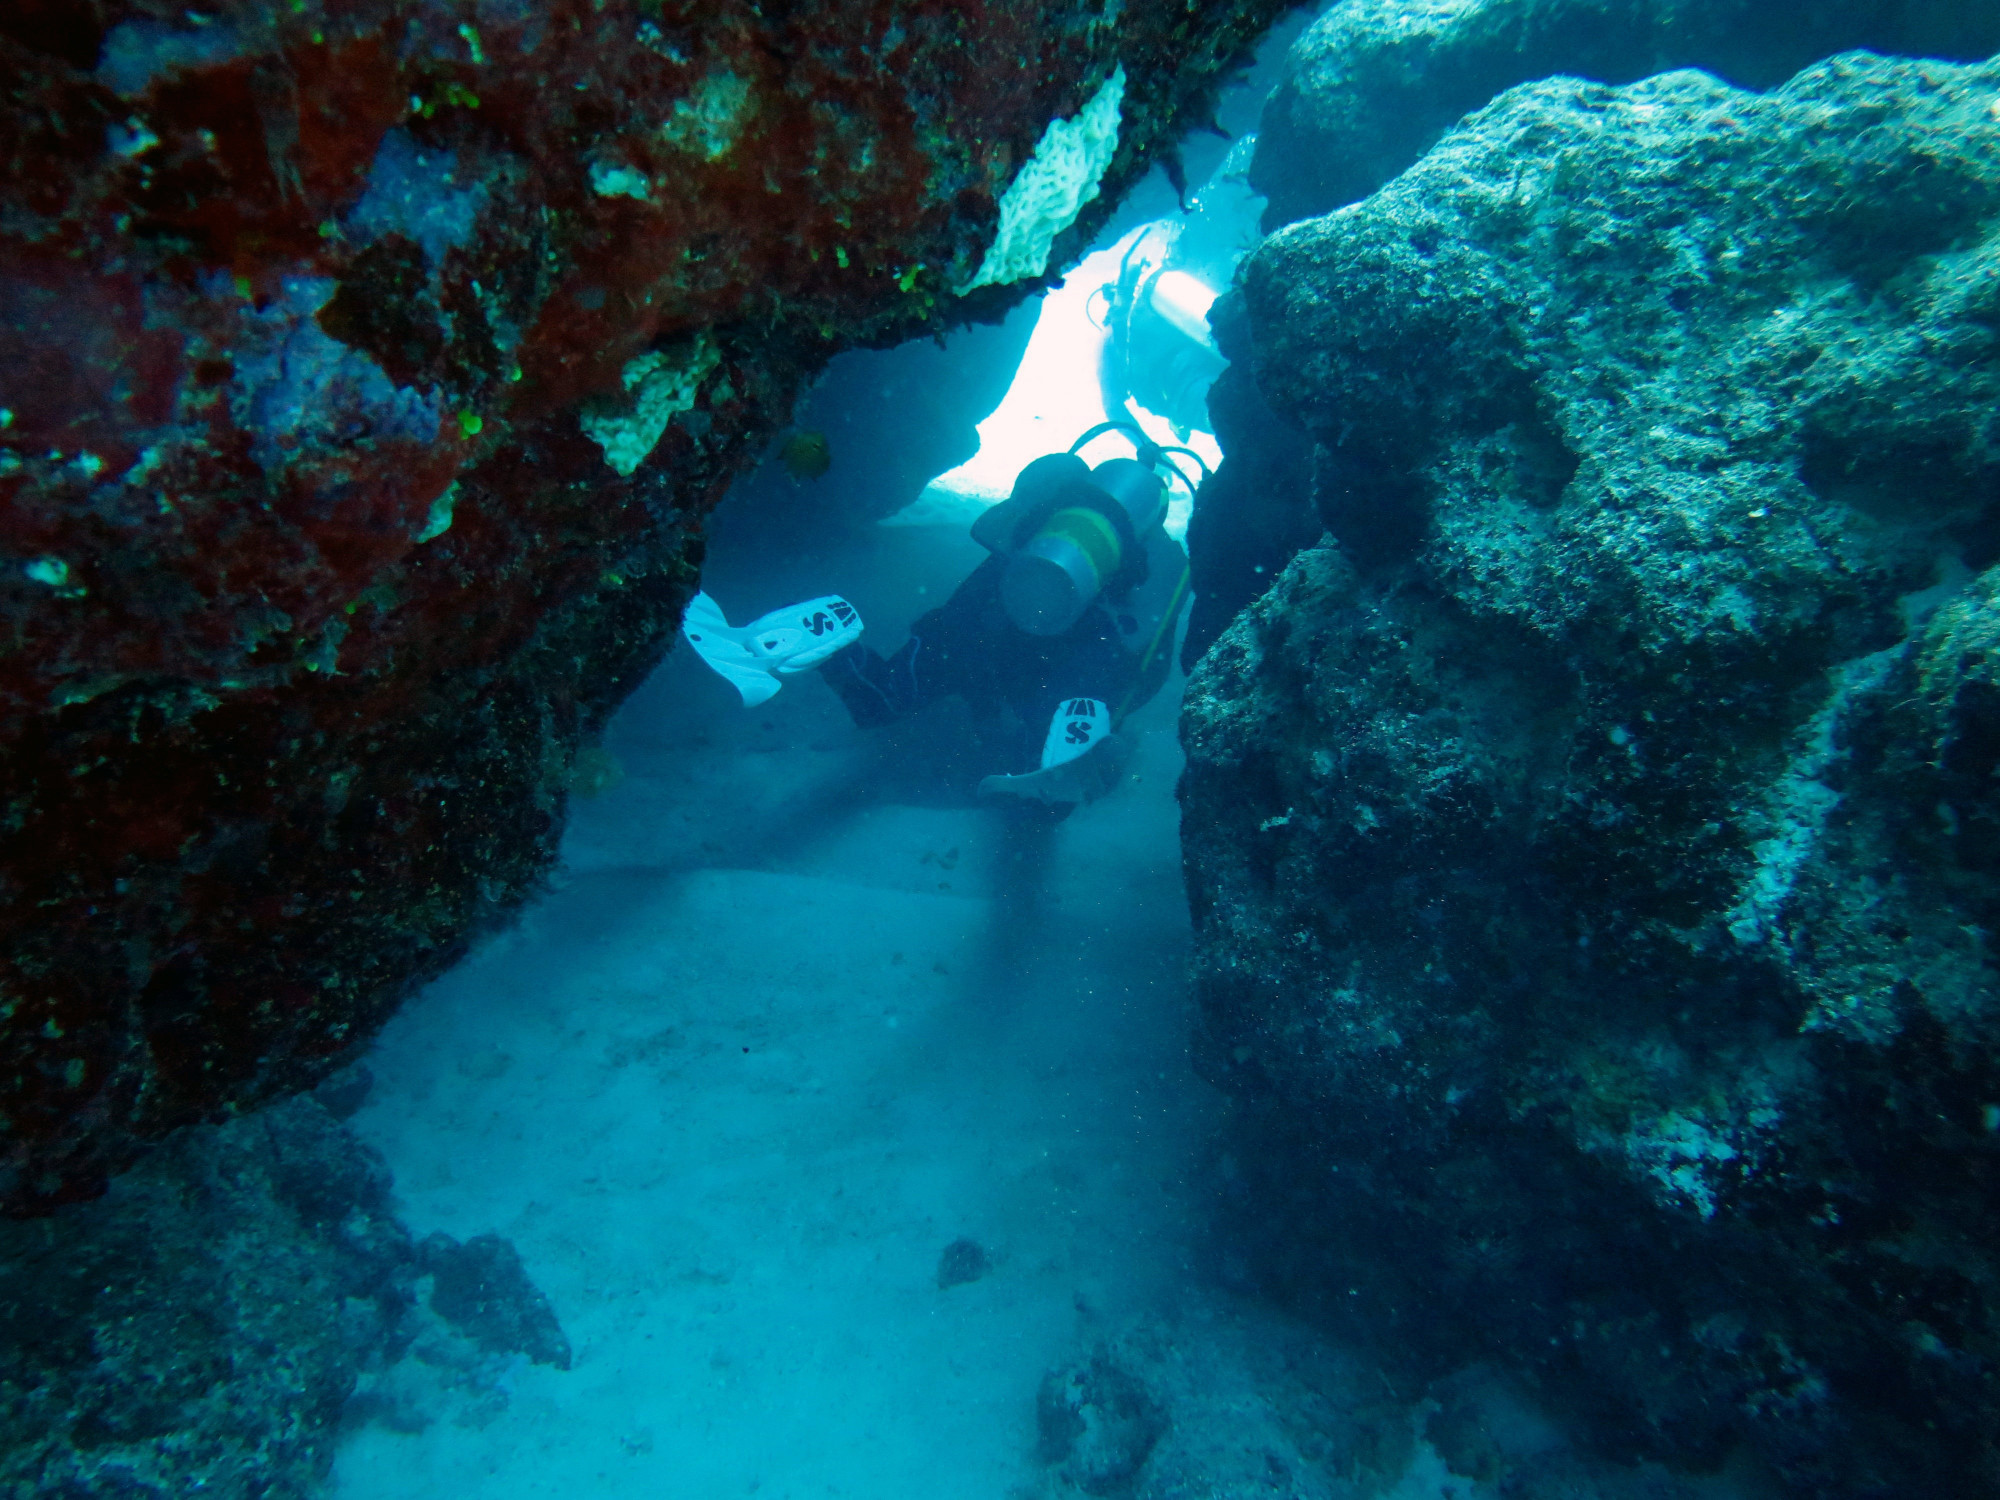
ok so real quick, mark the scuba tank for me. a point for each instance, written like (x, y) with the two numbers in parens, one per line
(1158, 350)
(1071, 532)
(1088, 544)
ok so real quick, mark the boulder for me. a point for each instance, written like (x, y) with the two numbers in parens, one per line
(232, 1306)
(200, 1329)
(1592, 844)
(1374, 83)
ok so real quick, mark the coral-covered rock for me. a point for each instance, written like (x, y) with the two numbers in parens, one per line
(1592, 849)
(199, 1330)
(213, 1323)
(1374, 83)
(1097, 1422)
(365, 373)
(481, 1289)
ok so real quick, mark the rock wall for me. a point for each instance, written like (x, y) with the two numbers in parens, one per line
(1592, 846)
(1256, 511)
(1374, 83)
(365, 373)
(203, 1327)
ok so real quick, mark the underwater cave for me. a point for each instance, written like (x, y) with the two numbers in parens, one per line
(1000, 750)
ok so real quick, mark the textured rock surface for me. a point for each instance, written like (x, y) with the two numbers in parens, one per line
(201, 1329)
(1374, 82)
(198, 1330)
(1593, 852)
(1226, 1399)
(481, 1289)
(1097, 1423)
(365, 372)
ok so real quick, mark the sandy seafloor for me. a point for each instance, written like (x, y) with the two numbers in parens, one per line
(773, 1040)
(787, 1023)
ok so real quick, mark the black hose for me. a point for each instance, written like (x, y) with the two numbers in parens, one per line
(1150, 453)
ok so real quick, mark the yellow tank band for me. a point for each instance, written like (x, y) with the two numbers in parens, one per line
(1092, 535)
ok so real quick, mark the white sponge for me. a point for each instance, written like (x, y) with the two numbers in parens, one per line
(1050, 191)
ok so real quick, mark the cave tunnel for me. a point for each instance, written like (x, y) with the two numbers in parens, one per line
(1133, 749)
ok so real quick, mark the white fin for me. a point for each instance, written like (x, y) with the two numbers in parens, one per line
(752, 659)
(1079, 723)
(804, 635)
(1081, 759)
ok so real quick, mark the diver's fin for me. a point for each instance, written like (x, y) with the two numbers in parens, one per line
(804, 635)
(723, 649)
(755, 657)
(1081, 758)
(1079, 723)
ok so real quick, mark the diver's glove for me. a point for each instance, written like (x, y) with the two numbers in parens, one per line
(1082, 758)
(755, 657)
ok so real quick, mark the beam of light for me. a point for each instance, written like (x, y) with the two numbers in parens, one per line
(1054, 400)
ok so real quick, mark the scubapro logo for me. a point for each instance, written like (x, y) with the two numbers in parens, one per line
(1077, 731)
(820, 622)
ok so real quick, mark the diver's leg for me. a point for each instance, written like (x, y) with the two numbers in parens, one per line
(1090, 663)
(949, 651)
(877, 689)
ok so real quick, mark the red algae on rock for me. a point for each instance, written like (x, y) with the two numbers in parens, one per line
(365, 373)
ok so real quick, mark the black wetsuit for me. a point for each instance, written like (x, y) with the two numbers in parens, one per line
(968, 647)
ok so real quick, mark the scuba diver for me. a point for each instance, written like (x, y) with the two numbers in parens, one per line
(1157, 349)
(1063, 631)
